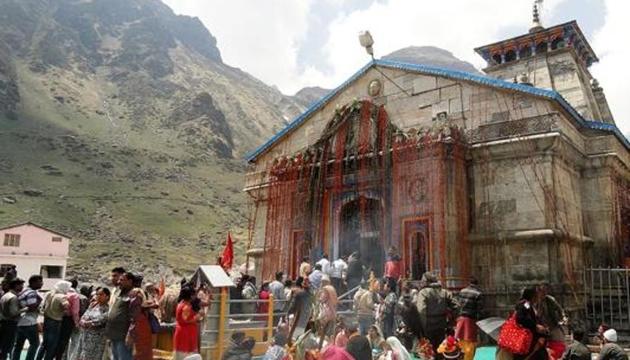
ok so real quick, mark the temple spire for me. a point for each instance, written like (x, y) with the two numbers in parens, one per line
(537, 25)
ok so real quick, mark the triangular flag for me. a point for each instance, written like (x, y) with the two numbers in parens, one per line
(227, 258)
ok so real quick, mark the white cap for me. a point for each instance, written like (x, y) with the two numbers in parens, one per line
(610, 335)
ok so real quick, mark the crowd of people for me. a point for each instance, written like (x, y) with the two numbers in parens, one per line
(400, 320)
(123, 322)
(385, 318)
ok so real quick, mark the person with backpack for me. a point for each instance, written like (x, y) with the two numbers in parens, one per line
(435, 304)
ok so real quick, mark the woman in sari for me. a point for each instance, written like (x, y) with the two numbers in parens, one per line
(327, 312)
(186, 338)
(92, 327)
(140, 328)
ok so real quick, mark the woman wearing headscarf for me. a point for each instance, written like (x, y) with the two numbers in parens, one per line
(327, 311)
(396, 350)
(375, 337)
(140, 328)
(55, 306)
(92, 327)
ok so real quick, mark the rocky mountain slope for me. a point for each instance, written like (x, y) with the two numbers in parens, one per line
(121, 126)
(431, 55)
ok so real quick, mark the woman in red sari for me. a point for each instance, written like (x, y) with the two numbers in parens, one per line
(186, 338)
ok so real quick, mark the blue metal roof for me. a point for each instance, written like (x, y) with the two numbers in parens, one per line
(597, 125)
(437, 71)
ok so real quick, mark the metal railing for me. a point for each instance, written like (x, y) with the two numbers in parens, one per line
(608, 297)
(221, 323)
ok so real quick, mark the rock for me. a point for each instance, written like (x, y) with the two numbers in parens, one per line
(164, 193)
(33, 192)
(9, 200)
(190, 212)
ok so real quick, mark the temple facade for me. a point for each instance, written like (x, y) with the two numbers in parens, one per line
(516, 177)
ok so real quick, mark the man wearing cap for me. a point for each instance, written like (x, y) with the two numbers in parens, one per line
(10, 313)
(610, 350)
(434, 305)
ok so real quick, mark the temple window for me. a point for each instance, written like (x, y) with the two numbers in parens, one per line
(526, 52)
(541, 47)
(510, 55)
(497, 58)
(557, 43)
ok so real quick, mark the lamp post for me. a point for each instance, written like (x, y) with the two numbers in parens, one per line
(366, 40)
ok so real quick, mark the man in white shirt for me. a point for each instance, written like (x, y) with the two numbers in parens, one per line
(337, 273)
(325, 264)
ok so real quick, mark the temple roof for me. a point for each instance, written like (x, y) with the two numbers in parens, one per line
(569, 31)
(436, 71)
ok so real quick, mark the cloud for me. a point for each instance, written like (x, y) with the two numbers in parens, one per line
(261, 37)
(455, 25)
(611, 44)
(298, 43)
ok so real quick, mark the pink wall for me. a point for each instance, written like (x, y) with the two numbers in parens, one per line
(35, 241)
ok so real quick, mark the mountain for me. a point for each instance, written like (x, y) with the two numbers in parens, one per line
(308, 95)
(121, 125)
(431, 55)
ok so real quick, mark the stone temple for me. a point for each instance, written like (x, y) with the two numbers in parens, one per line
(515, 177)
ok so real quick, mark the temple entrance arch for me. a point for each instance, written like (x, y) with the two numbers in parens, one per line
(359, 230)
(417, 246)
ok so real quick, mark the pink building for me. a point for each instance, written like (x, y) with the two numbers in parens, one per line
(34, 249)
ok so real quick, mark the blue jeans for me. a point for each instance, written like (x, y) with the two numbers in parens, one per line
(7, 337)
(47, 349)
(25, 333)
(364, 324)
(120, 351)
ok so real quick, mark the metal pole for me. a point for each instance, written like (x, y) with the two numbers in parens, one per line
(627, 293)
(222, 321)
(270, 318)
(601, 295)
(619, 289)
(610, 304)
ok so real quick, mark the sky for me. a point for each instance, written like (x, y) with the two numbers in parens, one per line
(292, 44)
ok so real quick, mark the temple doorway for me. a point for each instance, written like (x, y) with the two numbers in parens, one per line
(416, 247)
(360, 222)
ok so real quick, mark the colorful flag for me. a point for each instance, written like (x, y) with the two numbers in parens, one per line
(227, 258)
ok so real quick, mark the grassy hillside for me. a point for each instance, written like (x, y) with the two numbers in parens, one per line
(121, 126)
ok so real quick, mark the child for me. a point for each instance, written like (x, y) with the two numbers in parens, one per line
(450, 348)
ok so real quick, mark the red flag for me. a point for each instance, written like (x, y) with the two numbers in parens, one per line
(228, 254)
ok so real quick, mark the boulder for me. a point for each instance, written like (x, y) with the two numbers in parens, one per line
(33, 192)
